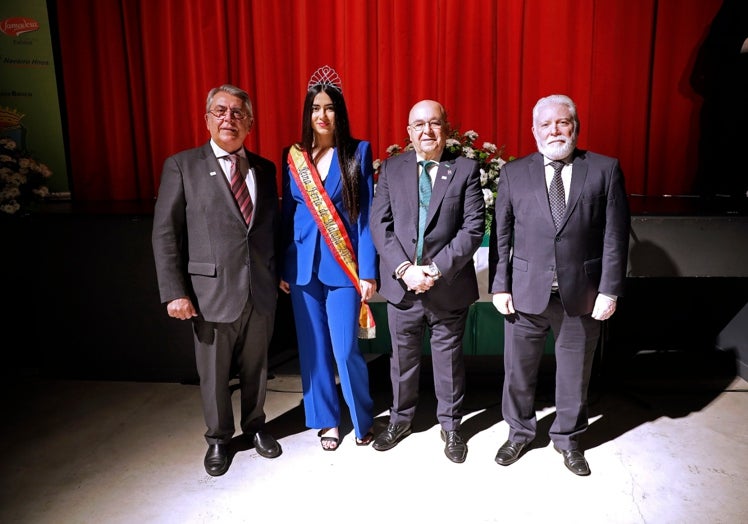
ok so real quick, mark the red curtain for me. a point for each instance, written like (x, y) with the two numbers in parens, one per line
(136, 73)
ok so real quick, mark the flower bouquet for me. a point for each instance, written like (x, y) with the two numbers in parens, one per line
(22, 179)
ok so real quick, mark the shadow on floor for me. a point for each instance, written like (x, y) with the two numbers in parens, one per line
(646, 388)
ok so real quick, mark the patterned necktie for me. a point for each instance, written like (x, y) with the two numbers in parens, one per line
(240, 190)
(424, 197)
(556, 195)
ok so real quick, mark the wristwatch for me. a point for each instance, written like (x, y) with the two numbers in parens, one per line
(433, 271)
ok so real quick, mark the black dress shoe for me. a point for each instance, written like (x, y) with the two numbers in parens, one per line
(266, 445)
(217, 460)
(389, 438)
(455, 448)
(509, 452)
(574, 461)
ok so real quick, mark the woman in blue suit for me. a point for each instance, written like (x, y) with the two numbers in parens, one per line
(329, 261)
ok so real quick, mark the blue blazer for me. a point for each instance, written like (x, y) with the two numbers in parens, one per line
(304, 248)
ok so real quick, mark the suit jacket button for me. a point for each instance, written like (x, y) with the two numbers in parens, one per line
(558, 238)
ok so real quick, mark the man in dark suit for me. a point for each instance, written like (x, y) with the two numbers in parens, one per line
(215, 262)
(555, 267)
(428, 278)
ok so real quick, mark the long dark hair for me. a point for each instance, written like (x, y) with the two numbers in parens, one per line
(346, 145)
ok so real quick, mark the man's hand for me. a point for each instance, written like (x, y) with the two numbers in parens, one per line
(418, 279)
(181, 308)
(604, 307)
(503, 303)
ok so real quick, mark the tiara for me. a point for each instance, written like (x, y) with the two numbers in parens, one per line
(325, 76)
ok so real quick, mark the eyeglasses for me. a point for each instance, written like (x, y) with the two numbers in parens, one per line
(221, 112)
(420, 126)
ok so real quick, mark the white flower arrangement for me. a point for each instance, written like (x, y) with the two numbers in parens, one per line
(22, 179)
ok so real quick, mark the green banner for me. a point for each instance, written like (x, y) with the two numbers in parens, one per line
(31, 138)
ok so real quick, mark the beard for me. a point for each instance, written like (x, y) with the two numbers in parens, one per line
(558, 151)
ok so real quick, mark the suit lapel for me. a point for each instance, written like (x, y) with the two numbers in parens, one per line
(444, 175)
(334, 181)
(578, 177)
(218, 181)
(259, 182)
(410, 190)
(539, 186)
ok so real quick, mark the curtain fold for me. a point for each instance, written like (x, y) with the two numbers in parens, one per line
(136, 73)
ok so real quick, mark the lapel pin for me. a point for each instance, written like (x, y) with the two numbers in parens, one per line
(212, 173)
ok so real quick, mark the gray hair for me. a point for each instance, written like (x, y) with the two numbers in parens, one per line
(557, 99)
(233, 91)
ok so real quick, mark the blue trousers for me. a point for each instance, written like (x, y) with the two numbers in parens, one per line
(327, 332)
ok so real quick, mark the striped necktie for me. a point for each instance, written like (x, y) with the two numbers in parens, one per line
(240, 190)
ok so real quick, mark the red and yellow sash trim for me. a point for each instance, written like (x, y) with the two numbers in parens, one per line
(330, 226)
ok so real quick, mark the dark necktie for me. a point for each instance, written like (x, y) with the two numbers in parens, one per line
(424, 197)
(556, 195)
(240, 190)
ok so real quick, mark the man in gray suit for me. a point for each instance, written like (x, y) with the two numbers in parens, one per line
(215, 262)
(557, 261)
(428, 277)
